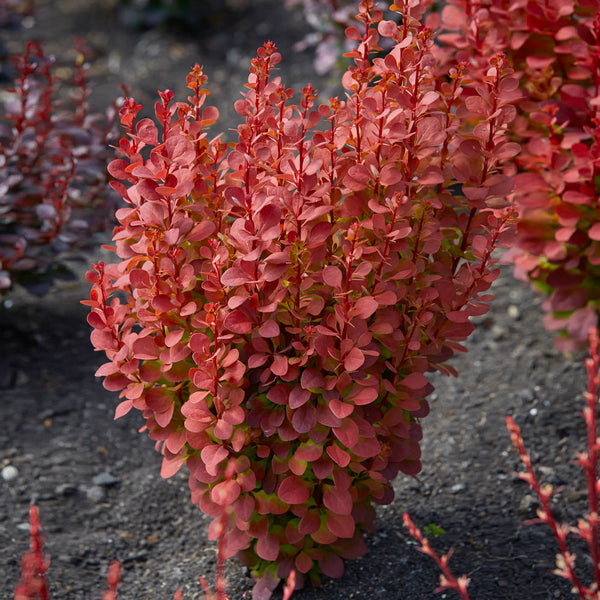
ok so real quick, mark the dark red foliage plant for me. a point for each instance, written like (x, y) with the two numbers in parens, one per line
(53, 157)
(278, 301)
(554, 47)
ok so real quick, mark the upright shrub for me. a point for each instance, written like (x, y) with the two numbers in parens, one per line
(278, 302)
(53, 157)
(555, 48)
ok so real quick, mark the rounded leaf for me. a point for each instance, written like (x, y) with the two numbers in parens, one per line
(341, 525)
(267, 547)
(225, 493)
(294, 490)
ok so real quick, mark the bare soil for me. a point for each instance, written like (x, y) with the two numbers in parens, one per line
(96, 481)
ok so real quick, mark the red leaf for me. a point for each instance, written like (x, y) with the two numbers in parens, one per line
(162, 303)
(147, 132)
(235, 277)
(278, 394)
(506, 150)
(458, 316)
(358, 177)
(153, 213)
(267, 547)
(364, 307)
(366, 395)
(332, 565)
(310, 522)
(577, 197)
(280, 365)
(340, 409)
(269, 329)
(367, 447)
(145, 348)
(431, 176)
(304, 418)
(123, 408)
(336, 500)
(234, 541)
(308, 452)
(476, 105)
(179, 149)
(293, 490)
(238, 322)
(354, 360)
(311, 379)
(390, 174)
(117, 168)
(594, 232)
(580, 323)
(414, 381)
(201, 231)
(225, 493)
(170, 466)
(164, 418)
(323, 468)
(158, 399)
(347, 433)
(332, 276)
(212, 455)
(298, 397)
(352, 33)
(339, 456)
(303, 562)
(319, 234)
(341, 525)
(471, 148)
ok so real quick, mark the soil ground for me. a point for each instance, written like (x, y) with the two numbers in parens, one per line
(96, 481)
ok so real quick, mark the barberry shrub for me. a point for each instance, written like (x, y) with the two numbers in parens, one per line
(278, 301)
(555, 48)
(53, 157)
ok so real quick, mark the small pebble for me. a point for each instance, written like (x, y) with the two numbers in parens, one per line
(65, 489)
(95, 493)
(105, 479)
(10, 473)
(528, 502)
(457, 487)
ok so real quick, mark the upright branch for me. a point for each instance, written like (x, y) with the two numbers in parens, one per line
(447, 579)
(33, 564)
(587, 526)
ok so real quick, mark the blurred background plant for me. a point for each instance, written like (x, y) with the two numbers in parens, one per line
(53, 181)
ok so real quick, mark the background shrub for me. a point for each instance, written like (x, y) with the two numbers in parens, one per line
(53, 183)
